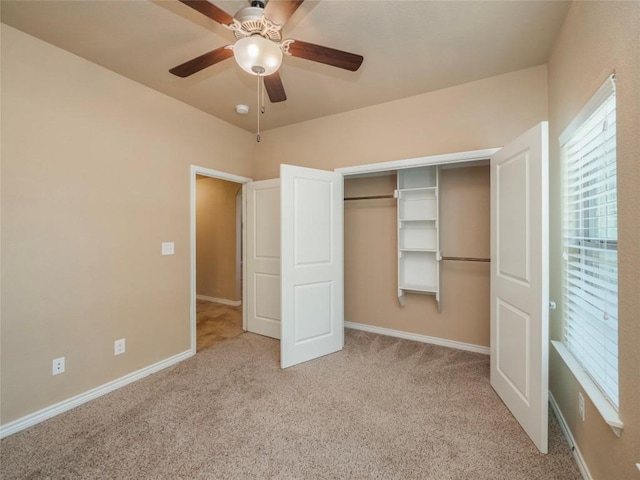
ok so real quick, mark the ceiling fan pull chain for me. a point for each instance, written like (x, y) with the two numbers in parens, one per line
(262, 96)
(258, 109)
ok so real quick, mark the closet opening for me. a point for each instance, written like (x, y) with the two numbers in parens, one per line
(419, 239)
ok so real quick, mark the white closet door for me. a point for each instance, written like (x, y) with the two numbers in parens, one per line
(263, 257)
(520, 280)
(312, 264)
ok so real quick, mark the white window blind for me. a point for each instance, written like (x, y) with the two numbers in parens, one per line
(590, 240)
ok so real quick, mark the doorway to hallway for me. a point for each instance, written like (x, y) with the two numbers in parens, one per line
(217, 310)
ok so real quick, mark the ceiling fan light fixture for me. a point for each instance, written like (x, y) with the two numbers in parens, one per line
(257, 55)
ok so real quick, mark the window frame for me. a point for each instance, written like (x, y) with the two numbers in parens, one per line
(606, 405)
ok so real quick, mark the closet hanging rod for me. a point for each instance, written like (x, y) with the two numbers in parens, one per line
(466, 259)
(370, 197)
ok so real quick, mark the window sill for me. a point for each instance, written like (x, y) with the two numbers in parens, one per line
(606, 410)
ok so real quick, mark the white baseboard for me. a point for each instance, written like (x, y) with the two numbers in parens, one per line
(49, 412)
(443, 342)
(582, 465)
(224, 301)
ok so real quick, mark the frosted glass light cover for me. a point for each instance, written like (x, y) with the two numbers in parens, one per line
(257, 55)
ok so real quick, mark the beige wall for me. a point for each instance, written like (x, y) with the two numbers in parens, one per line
(483, 114)
(597, 39)
(95, 175)
(217, 269)
(371, 259)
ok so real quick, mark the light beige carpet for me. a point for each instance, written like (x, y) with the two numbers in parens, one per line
(383, 408)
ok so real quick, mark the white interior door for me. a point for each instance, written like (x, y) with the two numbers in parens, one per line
(263, 257)
(312, 264)
(520, 280)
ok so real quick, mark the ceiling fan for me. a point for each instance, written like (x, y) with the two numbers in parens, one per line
(259, 46)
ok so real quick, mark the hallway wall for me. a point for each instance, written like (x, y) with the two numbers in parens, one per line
(217, 269)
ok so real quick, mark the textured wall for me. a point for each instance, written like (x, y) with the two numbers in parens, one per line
(597, 39)
(95, 175)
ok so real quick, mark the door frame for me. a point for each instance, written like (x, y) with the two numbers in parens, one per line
(208, 172)
(451, 160)
(444, 159)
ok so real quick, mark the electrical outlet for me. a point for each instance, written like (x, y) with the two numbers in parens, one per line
(58, 366)
(581, 405)
(118, 347)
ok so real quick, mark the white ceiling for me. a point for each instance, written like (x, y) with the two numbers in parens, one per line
(409, 47)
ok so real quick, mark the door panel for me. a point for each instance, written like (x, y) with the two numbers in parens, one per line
(515, 217)
(520, 279)
(312, 264)
(263, 258)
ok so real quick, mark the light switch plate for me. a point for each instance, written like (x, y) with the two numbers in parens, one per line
(168, 248)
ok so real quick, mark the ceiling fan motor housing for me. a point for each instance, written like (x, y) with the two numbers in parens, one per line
(251, 21)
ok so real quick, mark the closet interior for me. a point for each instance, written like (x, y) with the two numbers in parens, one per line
(419, 238)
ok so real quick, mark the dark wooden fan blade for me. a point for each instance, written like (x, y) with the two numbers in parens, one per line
(279, 11)
(202, 62)
(274, 87)
(326, 55)
(210, 10)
